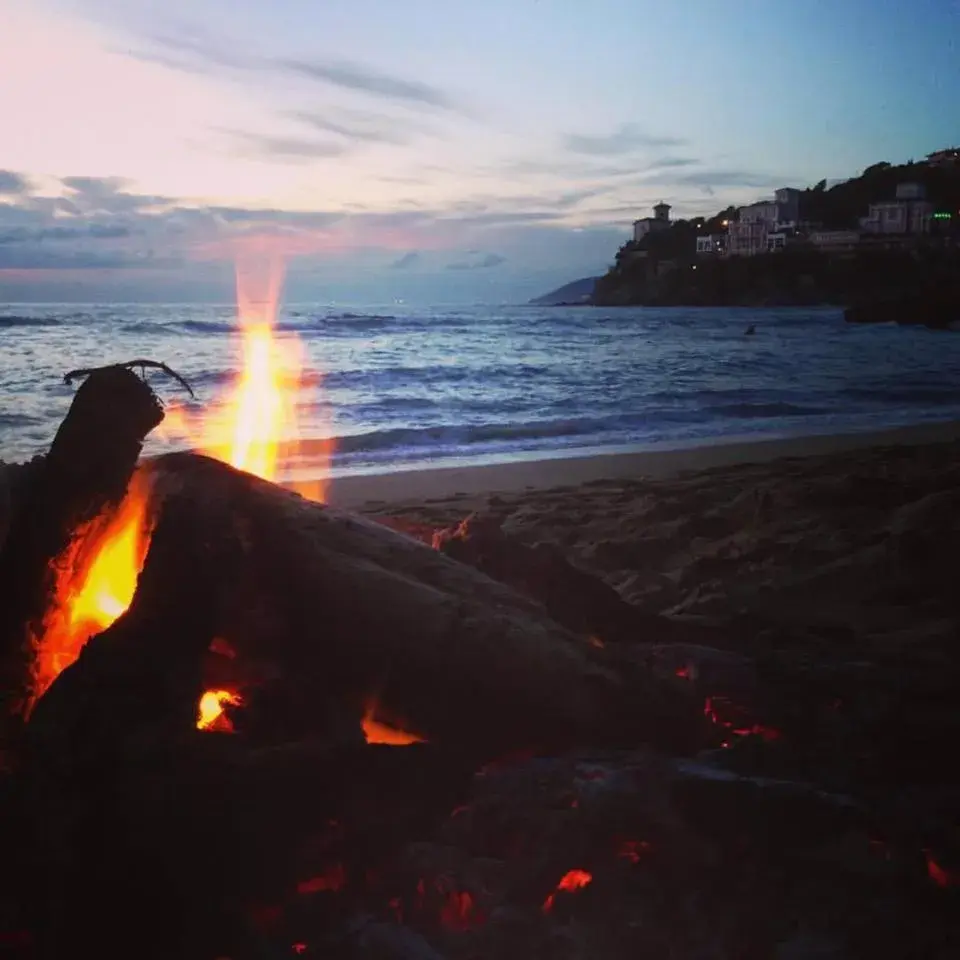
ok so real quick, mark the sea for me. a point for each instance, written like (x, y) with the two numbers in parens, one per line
(401, 387)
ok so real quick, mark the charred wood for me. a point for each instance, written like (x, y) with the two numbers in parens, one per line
(88, 467)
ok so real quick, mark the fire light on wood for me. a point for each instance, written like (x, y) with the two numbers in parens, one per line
(571, 881)
(376, 731)
(95, 582)
(210, 713)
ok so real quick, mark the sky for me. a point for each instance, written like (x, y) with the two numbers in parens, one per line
(433, 151)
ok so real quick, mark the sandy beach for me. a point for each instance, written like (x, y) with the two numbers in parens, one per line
(472, 483)
(836, 547)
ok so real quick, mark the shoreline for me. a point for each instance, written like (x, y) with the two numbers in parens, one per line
(445, 482)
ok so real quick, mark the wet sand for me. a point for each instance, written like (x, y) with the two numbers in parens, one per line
(473, 482)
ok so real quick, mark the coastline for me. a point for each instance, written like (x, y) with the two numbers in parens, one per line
(576, 469)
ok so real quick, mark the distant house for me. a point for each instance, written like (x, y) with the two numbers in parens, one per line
(787, 200)
(910, 212)
(659, 221)
(948, 157)
(766, 225)
(777, 241)
(712, 243)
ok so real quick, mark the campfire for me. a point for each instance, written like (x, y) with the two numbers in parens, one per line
(241, 723)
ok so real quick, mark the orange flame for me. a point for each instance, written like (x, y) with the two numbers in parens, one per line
(251, 430)
(256, 428)
(95, 581)
(376, 731)
(572, 880)
(210, 713)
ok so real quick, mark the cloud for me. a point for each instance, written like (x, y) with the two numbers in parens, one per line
(46, 258)
(105, 195)
(194, 53)
(674, 162)
(490, 260)
(360, 79)
(355, 126)
(295, 149)
(626, 139)
(92, 231)
(13, 184)
(708, 181)
(406, 261)
(730, 178)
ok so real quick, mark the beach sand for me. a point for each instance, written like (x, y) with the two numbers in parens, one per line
(842, 546)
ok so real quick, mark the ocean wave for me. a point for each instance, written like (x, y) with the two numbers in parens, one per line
(459, 437)
(146, 327)
(19, 320)
(912, 395)
(210, 327)
(765, 410)
(397, 376)
(216, 378)
(346, 324)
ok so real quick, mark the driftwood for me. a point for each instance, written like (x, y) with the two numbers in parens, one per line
(182, 832)
(334, 608)
(574, 598)
(87, 468)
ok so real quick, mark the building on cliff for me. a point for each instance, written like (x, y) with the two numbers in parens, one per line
(659, 221)
(765, 226)
(948, 157)
(909, 213)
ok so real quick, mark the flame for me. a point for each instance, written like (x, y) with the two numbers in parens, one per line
(571, 881)
(210, 714)
(96, 578)
(253, 429)
(376, 731)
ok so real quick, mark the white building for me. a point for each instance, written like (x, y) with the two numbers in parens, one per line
(909, 213)
(712, 243)
(765, 226)
(787, 200)
(746, 238)
(949, 157)
(659, 221)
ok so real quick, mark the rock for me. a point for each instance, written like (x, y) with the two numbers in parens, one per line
(932, 309)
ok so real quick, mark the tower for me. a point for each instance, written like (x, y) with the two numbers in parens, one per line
(661, 211)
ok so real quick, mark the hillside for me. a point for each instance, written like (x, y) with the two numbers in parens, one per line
(663, 268)
(576, 292)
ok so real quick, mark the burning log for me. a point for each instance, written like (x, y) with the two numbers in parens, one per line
(86, 470)
(333, 608)
(128, 804)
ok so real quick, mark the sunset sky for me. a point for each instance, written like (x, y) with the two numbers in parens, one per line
(433, 150)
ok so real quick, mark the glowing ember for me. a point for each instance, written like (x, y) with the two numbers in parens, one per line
(571, 881)
(459, 912)
(376, 731)
(333, 879)
(940, 876)
(725, 714)
(632, 850)
(210, 713)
